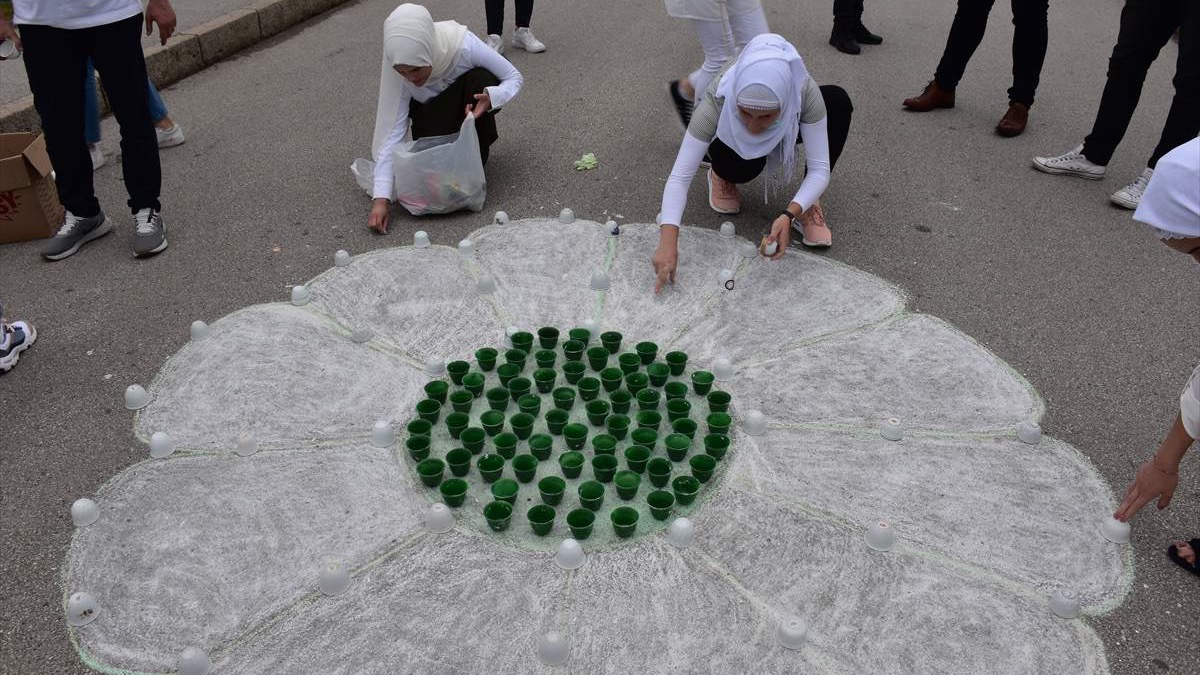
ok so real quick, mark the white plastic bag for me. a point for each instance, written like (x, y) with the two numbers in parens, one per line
(441, 174)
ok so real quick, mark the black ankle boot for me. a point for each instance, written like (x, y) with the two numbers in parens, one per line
(843, 38)
(866, 37)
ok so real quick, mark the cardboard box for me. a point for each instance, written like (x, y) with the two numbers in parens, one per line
(29, 207)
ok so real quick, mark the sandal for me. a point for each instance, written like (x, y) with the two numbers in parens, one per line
(1181, 551)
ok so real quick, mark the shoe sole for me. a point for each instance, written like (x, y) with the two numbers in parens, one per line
(676, 97)
(15, 354)
(815, 244)
(101, 230)
(1066, 172)
(531, 51)
(1123, 202)
(157, 249)
(173, 143)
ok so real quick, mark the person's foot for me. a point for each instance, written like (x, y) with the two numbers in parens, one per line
(98, 158)
(843, 39)
(866, 37)
(74, 233)
(814, 231)
(1131, 195)
(683, 105)
(1184, 553)
(15, 338)
(150, 234)
(723, 196)
(170, 137)
(523, 39)
(496, 43)
(1070, 163)
(1014, 121)
(932, 98)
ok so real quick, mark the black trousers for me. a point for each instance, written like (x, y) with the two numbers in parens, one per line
(495, 15)
(56, 62)
(443, 114)
(1028, 49)
(1146, 25)
(727, 164)
(848, 12)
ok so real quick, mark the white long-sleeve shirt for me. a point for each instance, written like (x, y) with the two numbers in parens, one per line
(474, 54)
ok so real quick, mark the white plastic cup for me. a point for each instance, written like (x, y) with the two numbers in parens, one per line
(383, 435)
(599, 281)
(421, 239)
(728, 231)
(792, 633)
(892, 429)
(439, 519)
(161, 445)
(553, 649)
(341, 258)
(246, 446)
(566, 216)
(435, 367)
(193, 661)
(770, 249)
(613, 228)
(880, 536)
(84, 512)
(681, 532)
(486, 285)
(1029, 432)
(755, 423)
(361, 335)
(466, 248)
(593, 329)
(726, 278)
(334, 578)
(300, 295)
(722, 369)
(501, 218)
(1065, 604)
(136, 397)
(82, 609)
(199, 330)
(8, 50)
(1114, 530)
(570, 555)
(748, 250)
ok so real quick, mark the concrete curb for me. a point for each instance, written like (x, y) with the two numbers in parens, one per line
(198, 48)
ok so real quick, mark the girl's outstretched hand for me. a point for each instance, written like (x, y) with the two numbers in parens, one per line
(379, 216)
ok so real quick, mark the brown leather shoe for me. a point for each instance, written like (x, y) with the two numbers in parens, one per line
(933, 97)
(1014, 121)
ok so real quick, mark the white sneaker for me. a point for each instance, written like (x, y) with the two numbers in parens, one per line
(1071, 163)
(1131, 195)
(169, 138)
(496, 43)
(523, 39)
(98, 158)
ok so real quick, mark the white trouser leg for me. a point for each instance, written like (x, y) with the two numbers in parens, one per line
(716, 42)
(746, 26)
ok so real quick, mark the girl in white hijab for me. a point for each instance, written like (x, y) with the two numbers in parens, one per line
(750, 119)
(432, 76)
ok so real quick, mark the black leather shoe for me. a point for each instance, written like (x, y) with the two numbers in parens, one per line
(844, 41)
(866, 37)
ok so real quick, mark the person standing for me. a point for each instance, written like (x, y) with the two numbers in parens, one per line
(1146, 26)
(523, 38)
(166, 131)
(849, 33)
(58, 38)
(1029, 52)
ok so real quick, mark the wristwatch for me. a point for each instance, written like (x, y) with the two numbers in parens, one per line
(789, 215)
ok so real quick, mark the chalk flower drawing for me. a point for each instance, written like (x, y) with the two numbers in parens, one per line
(209, 549)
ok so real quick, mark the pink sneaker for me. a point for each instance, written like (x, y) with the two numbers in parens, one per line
(814, 231)
(723, 196)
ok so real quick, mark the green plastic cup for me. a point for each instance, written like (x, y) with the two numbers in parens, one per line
(461, 400)
(716, 445)
(492, 421)
(597, 412)
(591, 495)
(649, 419)
(627, 483)
(545, 358)
(629, 362)
(646, 351)
(525, 467)
(516, 357)
(624, 520)
(580, 523)
(437, 390)
(636, 382)
(659, 470)
(604, 444)
(522, 425)
(611, 378)
(497, 398)
(564, 398)
(454, 491)
(490, 467)
(419, 427)
(597, 358)
(685, 489)
(621, 401)
(459, 461)
(431, 471)
(648, 399)
(571, 464)
(678, 409)
(573, 349)
(541, 519)
(702, 381)
(506, 444)
(580, 335)
(718, 423)
(685, 426)
(603, 467)
(429, 410)
(678, 446)
(660, 502)
(507, 373)
(551, 489)
(573, 371)
(530, 404)
(418, 447)
(718, 401)
(518, 387)
(676, 361)
(702, 467)
(498, 515)
(658, 374)
(555, 421)
(486, 358)
(541, 445)
(589, 388)
(522, 340)
(456, 370)
(472, 439)
(456, 422)
(611, 341)
(575, 435)
(644, 437)
(618, 426)
(675, 390)
(636, 457)
(505, 490)
(473, 382)
(548, 337)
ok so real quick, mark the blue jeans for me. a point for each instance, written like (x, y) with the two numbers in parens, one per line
(91, 106)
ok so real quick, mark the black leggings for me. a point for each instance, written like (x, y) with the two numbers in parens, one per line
(730, 166)
(443, 114)
(495, 15)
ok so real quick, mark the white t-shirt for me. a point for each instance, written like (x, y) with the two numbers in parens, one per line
(73, 14)
(709, 10)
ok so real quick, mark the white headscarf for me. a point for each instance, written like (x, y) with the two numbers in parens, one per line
(1171, 202)
(411, 38)
(772, 62)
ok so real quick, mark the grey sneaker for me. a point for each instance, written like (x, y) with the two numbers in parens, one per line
(1131, 195)
(75, 232)
(15, 338)
(150, 236)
